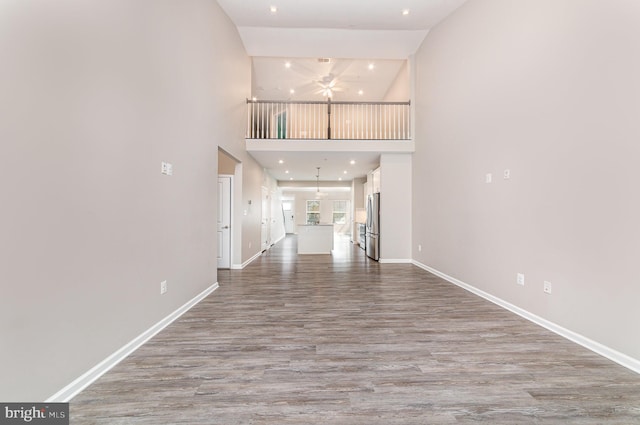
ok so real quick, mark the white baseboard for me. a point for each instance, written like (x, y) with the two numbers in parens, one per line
(395, 261)
(246, 263)
(86, 379)
(613, 355)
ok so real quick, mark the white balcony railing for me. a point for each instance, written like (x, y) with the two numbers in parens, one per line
(328, 120)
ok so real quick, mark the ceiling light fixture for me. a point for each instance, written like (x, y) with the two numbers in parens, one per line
(345, 171)
(254, 98)
(360, 92)
(273, 9)
(405, 12)
(292, 91)
(287, 64)
(352, 162)
(371, 66)
(286, 172)
(280, 161)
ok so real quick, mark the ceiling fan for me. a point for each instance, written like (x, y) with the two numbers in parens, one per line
(328, 85)
(328, 76)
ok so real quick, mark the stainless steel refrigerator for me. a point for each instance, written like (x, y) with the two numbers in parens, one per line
(373, 226)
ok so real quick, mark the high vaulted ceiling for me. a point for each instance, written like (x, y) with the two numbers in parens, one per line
(366, 29)
(356, 80)
(286, 43)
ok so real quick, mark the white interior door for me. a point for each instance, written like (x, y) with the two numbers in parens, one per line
(224, 222)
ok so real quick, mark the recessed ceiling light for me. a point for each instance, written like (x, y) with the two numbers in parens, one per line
(280, 161)
(371, 66)
(405, 12)
(352, 162)
(286, 172)
(340, 178)
(290, 178)
(292, 91)
(254, 98)
(345, 171)
(360, 92)
(287, 64)
(273, 9)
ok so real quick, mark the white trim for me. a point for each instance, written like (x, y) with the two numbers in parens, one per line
(395, 261)
(611, 354)
(86, 379)
(280, 238)
(246, 263)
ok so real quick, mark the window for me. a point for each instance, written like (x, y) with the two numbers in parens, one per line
(340, 212)
(313, 212)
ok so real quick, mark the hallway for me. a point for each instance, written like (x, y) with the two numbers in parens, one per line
(341, 339)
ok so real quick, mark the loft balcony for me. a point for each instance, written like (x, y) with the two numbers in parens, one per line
(328, 120)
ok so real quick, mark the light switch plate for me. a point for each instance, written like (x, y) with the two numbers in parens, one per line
(166, 168)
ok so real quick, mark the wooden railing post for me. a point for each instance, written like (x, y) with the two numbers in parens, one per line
(329, 118)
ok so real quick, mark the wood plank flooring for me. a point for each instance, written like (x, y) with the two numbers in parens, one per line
(341, 339)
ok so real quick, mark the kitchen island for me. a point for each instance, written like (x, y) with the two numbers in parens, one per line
(315, 238)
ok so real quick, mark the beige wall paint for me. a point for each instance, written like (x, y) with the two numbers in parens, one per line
(94, 96)
(226, 164)
(549, 90)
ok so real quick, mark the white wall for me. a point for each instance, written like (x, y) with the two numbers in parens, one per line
(326, 207)
(395, 207)
(549, 90)
(400, 89)
(94, 96)
(276, 226)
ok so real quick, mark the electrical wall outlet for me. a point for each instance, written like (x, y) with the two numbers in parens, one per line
(547, 287)
(506, 174)
(163, 287)
(488, 178)
(520, 279)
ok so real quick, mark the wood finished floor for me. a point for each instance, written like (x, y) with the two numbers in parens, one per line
(344, 340)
